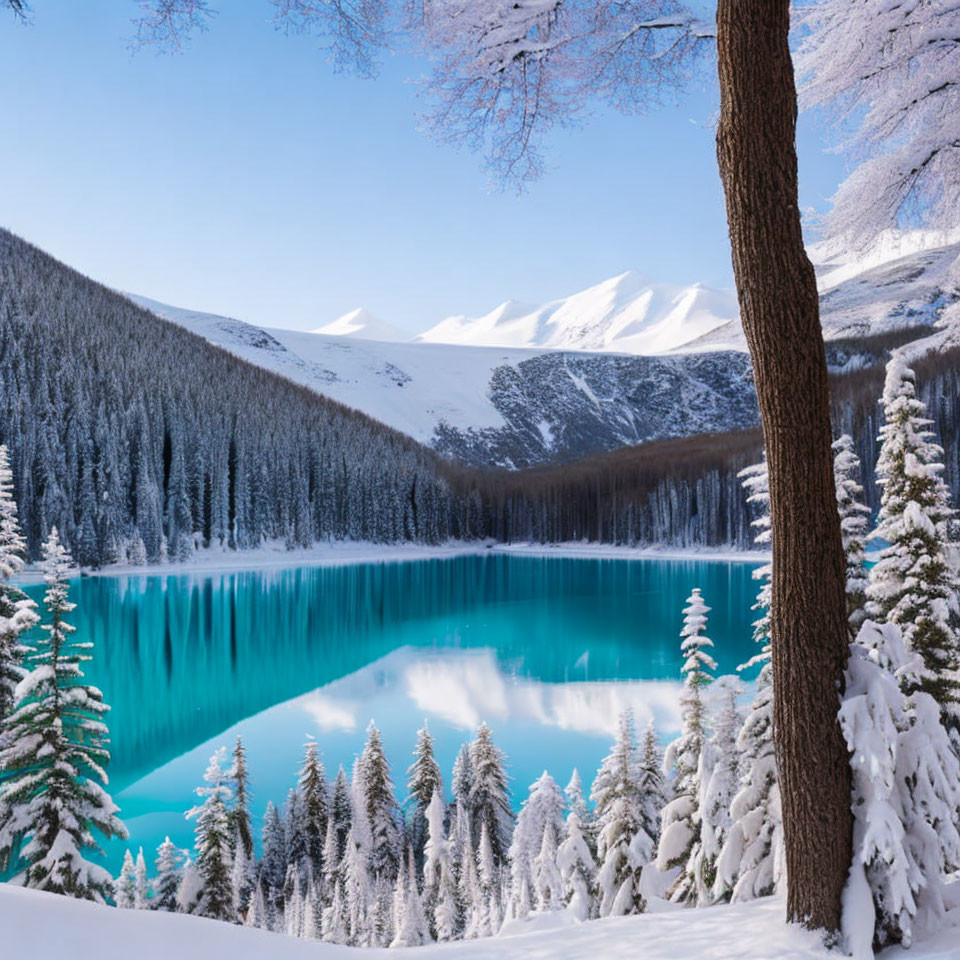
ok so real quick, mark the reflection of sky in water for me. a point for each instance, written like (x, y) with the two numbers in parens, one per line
(547, 651)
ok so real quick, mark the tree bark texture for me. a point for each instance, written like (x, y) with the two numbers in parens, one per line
(777, 291)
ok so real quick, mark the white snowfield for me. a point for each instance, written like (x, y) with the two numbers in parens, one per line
(43, 926)
(411, 387)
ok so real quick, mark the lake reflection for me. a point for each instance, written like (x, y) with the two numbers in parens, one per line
(547, 651)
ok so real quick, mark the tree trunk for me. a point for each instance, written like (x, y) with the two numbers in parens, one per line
(780, 312)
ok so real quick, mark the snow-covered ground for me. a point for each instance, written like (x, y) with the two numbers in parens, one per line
(42, 926)
(273, 556)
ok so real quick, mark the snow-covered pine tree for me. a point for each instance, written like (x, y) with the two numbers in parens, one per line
(341, 809)
(312, 787)
(854, 523)
(293, 902)
(238, 778)
(412, 927)
(623, 845)
(331, 862)
(436, 855)
(653, 788)
(468, 890)
(243, 877)
(383, 925)
(399, 896)
(461, 854)
(169, 864)
(680, 834)
(462, 782)
(188, 891)
(489, 916)
(547, 882)
(334, 922)
(914, 583)
(752, 861)
(577, 870)
(125, 888)
(213, 862)
(906, 791)
(273, 861)
(52, 795)
(721, 785)
(489, 795)
(358, 882)
(295, 834)
(544, 805)
(141, 888)
(576, 798)
(446, 912)
(17, 611)
(423, 780)
(312, 912)
(381, 808)
(257, 915)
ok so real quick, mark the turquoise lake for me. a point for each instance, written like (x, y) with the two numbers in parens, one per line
(546, 651)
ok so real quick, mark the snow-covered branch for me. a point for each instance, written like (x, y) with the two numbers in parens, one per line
(888, 73)
(512, 70)
(168, 24)
(353, 32)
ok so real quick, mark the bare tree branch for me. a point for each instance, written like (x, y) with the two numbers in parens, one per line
(168, 24)
(353, 32)
(18, 7)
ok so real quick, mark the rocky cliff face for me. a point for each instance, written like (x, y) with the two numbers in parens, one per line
(566, 405)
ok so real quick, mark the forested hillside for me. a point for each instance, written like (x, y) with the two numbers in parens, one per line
(138, 439)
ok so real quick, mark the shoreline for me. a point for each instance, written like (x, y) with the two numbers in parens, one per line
(344, 553)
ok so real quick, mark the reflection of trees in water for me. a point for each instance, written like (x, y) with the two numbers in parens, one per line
(182, 658)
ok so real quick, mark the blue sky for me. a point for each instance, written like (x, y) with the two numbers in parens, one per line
(244, 177)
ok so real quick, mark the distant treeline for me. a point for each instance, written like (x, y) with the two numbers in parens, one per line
(685, 492)
(140, 440)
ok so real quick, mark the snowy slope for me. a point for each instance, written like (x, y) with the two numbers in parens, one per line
(363, 325)
(625, 314)
(900, 283)
(507, 406)
(412, 387)
(42, 926)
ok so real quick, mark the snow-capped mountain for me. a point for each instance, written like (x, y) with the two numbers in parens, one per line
(362, 325)
(625, 314)
(900, 283)
(521, 405)
(495, 405)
